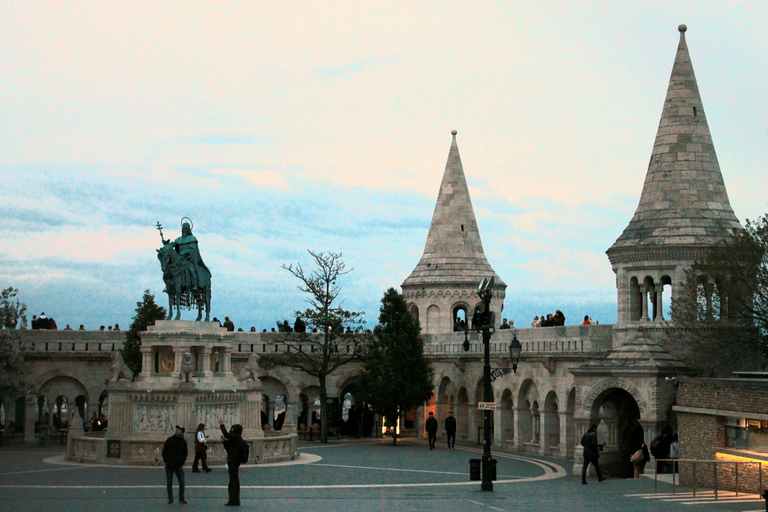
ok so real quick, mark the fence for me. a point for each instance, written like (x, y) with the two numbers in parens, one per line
(734, 464)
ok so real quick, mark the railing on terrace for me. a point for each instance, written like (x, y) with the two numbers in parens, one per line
(572, 339)
(704, 465)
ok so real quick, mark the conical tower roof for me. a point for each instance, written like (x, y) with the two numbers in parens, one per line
(453, 253)
(684, 201)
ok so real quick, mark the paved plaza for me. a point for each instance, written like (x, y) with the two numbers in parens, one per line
(345, 475)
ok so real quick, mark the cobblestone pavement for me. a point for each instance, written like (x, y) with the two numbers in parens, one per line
(346, 475)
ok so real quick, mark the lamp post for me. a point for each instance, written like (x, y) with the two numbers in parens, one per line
(485, 322)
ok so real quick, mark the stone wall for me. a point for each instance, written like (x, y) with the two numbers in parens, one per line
(702, 408)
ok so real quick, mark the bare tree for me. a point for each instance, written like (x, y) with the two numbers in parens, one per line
(721, 316)
(339, 337)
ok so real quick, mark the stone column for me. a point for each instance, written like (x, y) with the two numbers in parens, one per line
(534, 425)
(206, 366)
(291, 408)
(185, 408)
(498, 427)
(177, 353)
(659, 307)
(250, 410)
(227, 361)
(30, 418)
(517, 442)
(473, 422)
(644, 300)
(566, 441)
(146, 363)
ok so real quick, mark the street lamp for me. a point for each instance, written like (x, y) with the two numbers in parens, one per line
(485, 322)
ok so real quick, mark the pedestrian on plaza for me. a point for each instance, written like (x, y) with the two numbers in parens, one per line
(431, 427)
(450, 430)
(591, 453)
(201, 447)
(174, 456)
(237, 453)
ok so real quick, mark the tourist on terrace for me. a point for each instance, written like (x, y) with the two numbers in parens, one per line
(559, 318)
(228, 324)
(82, 327)
(504, 324)
(117, 327)
(586, 320)
(535, 322)
(67, 328)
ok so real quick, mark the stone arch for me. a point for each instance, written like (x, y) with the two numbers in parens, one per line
(433, 319)
(614, 407)
(413, 309)
(272, 389)
(444, 401)
(635, 300)
(507, 417)
(665, 299)
(550, 425)
(460, 311)
(462, 413)
(527, 416)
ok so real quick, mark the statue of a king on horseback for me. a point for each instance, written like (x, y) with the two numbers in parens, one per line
(187, 278)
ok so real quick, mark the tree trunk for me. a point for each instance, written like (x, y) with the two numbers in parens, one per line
(323, 410)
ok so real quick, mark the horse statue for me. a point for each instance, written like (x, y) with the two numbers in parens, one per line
(187, 279)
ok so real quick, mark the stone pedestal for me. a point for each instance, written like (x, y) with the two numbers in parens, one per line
(175, 391)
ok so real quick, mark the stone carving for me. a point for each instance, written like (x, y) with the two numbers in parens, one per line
(187, 278)
(209, 414)
(153, 418)
(187, 365)
(119, 368)
(251, 369)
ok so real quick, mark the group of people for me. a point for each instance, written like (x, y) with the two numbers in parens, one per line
(42, 322)
(175, 456)
(665, 446)
(450, 430)
(549, 320)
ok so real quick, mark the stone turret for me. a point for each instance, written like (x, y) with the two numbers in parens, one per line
(683, 211)
(444, 283)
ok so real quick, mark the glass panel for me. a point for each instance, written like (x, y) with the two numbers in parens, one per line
(757, 435)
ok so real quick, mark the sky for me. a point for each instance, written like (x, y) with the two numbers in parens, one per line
(279, 127)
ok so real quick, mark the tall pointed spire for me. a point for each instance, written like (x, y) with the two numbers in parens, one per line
(684, 201)
(453, 252)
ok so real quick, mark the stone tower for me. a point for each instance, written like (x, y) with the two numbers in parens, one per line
(444, 283)
(683, 210)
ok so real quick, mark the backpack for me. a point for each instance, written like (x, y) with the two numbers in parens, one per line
(244, 452)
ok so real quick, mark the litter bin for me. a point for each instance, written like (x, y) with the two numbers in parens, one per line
(474, 469)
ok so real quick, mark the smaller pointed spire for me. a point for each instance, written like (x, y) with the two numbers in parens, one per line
(453, 252)
(684, 201)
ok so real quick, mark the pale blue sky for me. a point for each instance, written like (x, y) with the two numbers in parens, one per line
(279, 127)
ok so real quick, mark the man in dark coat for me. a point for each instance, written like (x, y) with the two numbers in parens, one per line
(235, 446)
(450, 430)
(591, 453)
(431, 427)
(174, 456)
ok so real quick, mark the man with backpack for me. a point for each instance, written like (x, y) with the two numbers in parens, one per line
(237, 453)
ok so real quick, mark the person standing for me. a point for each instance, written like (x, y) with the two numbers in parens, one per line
(431, 427)
(450, 430)
(201, 447)
(174, 456)
(591, 453)
(235, 446)
(229, 324)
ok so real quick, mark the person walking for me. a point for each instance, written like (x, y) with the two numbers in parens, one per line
(174, 456)
(431, 427)
(591, 453)
(201, 447)
(450, 430)
(237, 450)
